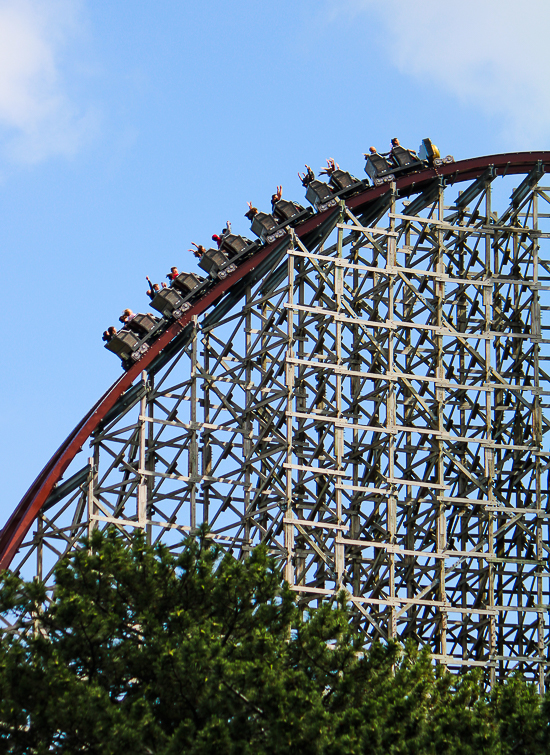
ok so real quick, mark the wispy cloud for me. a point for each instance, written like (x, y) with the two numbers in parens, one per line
(492, 54)
(38, 116)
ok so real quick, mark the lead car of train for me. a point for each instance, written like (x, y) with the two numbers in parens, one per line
(135, 338)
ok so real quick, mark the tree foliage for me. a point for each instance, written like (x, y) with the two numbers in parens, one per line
(143, 651)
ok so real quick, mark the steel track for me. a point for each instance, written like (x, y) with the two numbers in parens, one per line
(34, 499)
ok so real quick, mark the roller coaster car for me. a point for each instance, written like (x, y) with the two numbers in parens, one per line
(171, 303)
(290, 213)
(344, 184)
(190, 287)
(341, 184)
(383, 171)
(429, 153)
(401, 160)
(123, 344)
(185, 283)
(167, 301)
(406, 159)
(216, 263)
(236, 249)
(320, 195)
(142, 324)
(128, 346)
(130, 342)
(266, 227)
(237, 246)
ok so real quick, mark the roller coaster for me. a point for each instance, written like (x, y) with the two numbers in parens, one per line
(363, 389)
(133, 341)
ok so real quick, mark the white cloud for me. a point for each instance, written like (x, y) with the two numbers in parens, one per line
(38, 117)
(492, 54)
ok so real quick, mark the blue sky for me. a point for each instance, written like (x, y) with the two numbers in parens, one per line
(128, 130)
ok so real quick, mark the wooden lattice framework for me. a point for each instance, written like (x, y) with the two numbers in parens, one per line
(372, 407)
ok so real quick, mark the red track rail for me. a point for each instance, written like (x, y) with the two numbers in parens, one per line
(27, 510)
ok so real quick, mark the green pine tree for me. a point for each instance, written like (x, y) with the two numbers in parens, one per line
(144, 651)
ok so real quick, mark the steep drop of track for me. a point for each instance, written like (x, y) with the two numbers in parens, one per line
(30, 505)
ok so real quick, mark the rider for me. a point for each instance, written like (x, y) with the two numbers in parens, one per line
(307, 177)
(276, 197)
(252, 211)
(109, 334)
(331, 167)
(199, 251)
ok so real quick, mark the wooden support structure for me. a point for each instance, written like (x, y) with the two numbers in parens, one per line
(374, 410)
